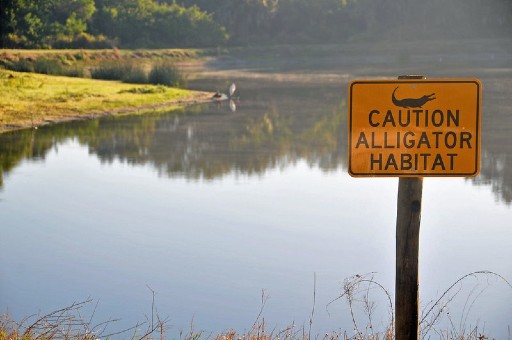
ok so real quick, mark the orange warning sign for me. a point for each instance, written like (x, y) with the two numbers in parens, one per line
(414, 128)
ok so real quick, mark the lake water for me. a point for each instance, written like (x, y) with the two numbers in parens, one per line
(216, 210)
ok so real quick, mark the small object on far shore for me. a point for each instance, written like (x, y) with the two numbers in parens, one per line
(232, 89)
(218, 96)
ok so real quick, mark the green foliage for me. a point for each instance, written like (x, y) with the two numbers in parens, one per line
(145, 90)
(83, 40)
(148, 24)
(161, 73)
(87, 23)
(74, 71)
(112, 70)
(166, 73)
(47, 66)
(135, 75)
(23, 65)
(40, 23)
(44, 66)
(207, 23)
(334, 21)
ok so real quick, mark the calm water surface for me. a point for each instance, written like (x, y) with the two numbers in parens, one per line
(216, 210)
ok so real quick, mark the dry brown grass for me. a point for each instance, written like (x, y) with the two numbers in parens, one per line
(69, 323)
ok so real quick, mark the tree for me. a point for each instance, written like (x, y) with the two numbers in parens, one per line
(147, 23)
(244, 20)
(7, 21)
(28, 23)
(69, 17)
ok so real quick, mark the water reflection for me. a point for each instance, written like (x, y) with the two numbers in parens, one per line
(496, 166)
(281, 118)
(204, 245)
(276, 124)
(273, 127)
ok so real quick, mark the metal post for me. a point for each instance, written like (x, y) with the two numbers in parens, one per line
(407, 254)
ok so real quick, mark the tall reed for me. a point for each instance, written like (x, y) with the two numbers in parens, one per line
(166, 73)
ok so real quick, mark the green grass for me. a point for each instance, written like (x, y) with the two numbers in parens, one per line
(30, 99)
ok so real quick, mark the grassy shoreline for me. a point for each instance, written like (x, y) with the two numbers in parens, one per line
(30, 100)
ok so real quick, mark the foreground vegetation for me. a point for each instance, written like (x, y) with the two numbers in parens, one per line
(358, 292)
(29, 99)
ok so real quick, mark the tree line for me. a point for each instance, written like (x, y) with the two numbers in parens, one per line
(204, 23)
(106, 23)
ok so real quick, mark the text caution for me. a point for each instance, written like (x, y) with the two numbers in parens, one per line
(414, 128)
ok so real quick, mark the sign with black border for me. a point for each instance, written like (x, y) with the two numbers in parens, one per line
(414, 128)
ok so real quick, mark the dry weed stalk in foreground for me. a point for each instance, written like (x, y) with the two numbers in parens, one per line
(434, 311)
(436, 322)
(68, 323)
(290, 333)
(357, 291)
(64, 323)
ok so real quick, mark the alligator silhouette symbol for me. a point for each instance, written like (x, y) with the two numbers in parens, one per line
(411, 102)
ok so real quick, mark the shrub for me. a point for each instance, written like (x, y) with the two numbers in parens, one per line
(22, 65)
(78, 72)
(135, 75)
(85, 40)
(145, 90)
(13, 40)
(44, 66)
(125, 71)
(166, 73)
(48, 66)
(82, 40)
(109, 71)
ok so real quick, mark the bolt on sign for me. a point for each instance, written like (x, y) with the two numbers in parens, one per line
(414, 128)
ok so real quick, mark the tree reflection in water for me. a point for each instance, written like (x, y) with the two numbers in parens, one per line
(205, 141)
(276, 124)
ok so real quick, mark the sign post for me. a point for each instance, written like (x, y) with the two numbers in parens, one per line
(411, 128)
(407, 282)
